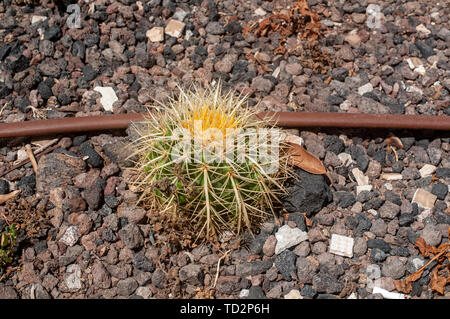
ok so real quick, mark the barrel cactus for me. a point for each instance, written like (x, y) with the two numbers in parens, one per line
(205, 156)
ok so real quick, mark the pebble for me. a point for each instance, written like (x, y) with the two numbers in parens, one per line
(287, 237)
(70, 236)
(155, 34)
(174, 28)
(108, 97)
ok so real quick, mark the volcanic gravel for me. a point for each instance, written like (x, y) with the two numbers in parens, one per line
(94, 243)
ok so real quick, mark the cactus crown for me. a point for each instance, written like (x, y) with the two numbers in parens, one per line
(202, 155)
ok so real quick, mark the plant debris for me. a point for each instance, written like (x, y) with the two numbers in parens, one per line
(304, 23)
(306, 161)
(440, 254)
(26, 216)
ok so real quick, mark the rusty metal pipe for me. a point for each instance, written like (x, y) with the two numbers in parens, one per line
(282, 119)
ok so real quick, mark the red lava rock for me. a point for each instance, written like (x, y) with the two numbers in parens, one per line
(57, 170)
(111, 184)
(84, 223)
(86, 180)
(88, 241)
(132, 213)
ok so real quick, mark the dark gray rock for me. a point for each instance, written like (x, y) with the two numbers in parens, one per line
(7, 292)
(192, 274)
(158, 278)
(305, 270)
(393, 268)
(131, 236)
(443, 172)
(256, 292)
(440, 190)
(253, 268)
(95, 160)
(4, 187)
(285, 263)
(126, 287)
(380, 244)
(308, 291)
(143, 263)
(424, 49)
(405, 220)
(377, 255)
(334, 144)
(310, 193)
(344, 199)
(327, 284)
(298, 219)
(358, 154)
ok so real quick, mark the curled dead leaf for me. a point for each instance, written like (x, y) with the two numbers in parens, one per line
(306, 161)
(425, 249)
(438, 283)
(5, 197)
(394, 141)
(403, 286)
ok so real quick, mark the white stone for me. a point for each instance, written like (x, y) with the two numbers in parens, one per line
(345, 106)
(427, 170)
(388, 186)
(243, 293)
(108, 97)
(372, 212)
(414, 62)
(188, 35)
(294, 139)
(423, 29)
(353, 295)
(424, 199)
(373, 271)
(341, 245)
(180, 15)
(144, 292)
(361, 179)
(288, 237)
(418, 263)
(420, 69)
(276, 72)
(73, 280)
(365, 88)
(293, 294)
(391, 176)
(414, 89)
(387, 294)
(424, 214)
(36, 19)
(345, 158)
(260, 12)
(362, 188)
(70, 236)
(174, 28)
(155, 34)
(21, 155)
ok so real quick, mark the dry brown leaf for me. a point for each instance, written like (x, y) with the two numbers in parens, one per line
(328, 79)
(308, 221)
(394, 141)
(438, 283)
(425, 249)
(415, 276)
(305, 160)
(403, 286)
(5, 197)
